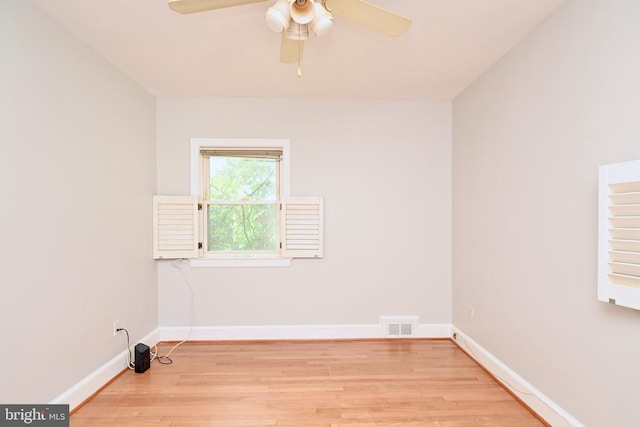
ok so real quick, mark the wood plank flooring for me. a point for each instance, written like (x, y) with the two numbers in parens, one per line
(364, 383)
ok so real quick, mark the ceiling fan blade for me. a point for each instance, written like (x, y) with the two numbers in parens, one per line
(369, 15)
(291, 50)
(193, 6)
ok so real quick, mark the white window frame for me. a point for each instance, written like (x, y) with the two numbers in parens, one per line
(239, 259)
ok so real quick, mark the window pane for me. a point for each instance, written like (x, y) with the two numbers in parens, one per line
(242, 178)
(242, 228)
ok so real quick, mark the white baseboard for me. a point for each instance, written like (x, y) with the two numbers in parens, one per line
(84, 389)
(536, 400)
(292, 332)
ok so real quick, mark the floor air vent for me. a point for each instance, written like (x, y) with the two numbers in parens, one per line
(396, 326)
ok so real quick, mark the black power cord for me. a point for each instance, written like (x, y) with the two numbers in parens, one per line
(161, 358)
(129, 359)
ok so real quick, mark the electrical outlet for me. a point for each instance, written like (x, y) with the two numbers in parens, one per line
(116, 326)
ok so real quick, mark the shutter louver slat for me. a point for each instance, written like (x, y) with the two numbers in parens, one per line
(626, 269)
(622, 280)
(624, 234)
(626, 257)
(625, 187)
(624, 199)
(625, 222)
(624, 245)
(625, 210)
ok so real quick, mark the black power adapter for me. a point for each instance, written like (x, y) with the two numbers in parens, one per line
(142, 358)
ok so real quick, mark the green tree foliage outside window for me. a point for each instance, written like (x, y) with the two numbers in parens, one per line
(242, 208)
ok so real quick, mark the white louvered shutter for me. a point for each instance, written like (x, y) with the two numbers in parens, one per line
(302, 227)
(619, 234)
(175, 227)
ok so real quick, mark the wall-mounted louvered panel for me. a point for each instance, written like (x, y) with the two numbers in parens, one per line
(624, 218)
(302, 228)
(619, 234)
(175, 227)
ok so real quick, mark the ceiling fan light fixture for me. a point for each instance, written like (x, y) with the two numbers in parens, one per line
(322, 20)
(295, 18)
(278, 16)
(302, 11)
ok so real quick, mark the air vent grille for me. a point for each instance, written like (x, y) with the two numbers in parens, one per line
(399, 326)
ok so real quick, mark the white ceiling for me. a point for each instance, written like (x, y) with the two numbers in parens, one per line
(231, 52)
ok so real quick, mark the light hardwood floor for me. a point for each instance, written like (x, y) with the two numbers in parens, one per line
(364, 383)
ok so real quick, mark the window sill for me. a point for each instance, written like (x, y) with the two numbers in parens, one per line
(239, 262)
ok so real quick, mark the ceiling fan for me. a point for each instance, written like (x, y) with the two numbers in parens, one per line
(294, 19)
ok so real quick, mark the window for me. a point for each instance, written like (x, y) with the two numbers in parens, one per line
(241, 195)
(239, 212)
(619, 234)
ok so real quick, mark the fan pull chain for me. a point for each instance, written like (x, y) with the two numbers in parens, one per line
(299, 51)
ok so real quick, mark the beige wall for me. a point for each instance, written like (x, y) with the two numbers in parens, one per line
(528, 139)
(384, 170)
(77, 173)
